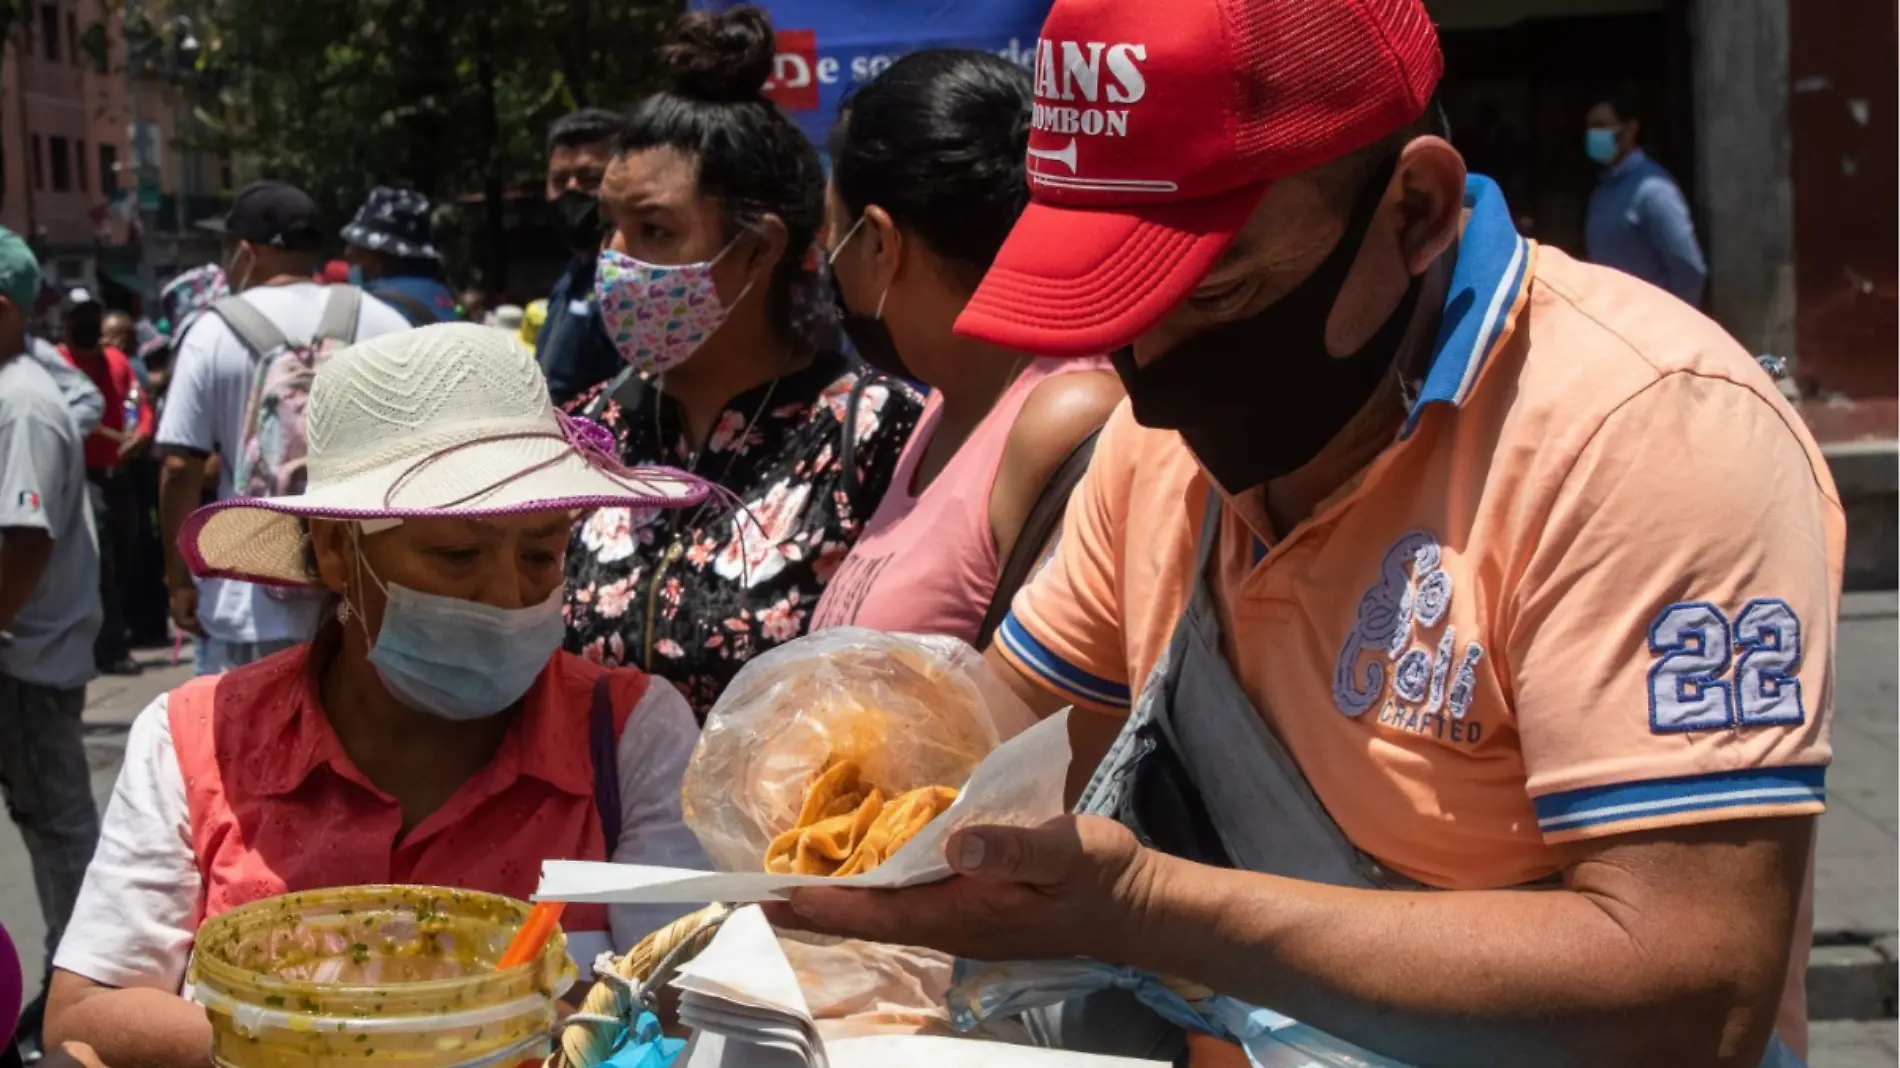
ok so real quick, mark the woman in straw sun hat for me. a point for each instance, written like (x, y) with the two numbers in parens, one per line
(432, 732)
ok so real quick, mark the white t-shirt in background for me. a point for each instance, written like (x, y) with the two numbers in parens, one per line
(204, 410)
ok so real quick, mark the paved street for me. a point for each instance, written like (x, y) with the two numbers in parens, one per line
(111, 705)
(1855, 891)
(1857, 894)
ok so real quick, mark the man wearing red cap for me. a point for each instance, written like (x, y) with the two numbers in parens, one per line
(1422, 558)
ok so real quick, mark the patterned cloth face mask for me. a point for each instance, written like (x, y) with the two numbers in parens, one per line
(659, 315)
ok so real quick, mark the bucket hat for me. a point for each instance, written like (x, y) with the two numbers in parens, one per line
(183, 299)
(451, 420)
(394, 222)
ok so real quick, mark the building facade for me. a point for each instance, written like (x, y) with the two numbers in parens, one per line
(82, 118)
(1776, 117)
(62, 137)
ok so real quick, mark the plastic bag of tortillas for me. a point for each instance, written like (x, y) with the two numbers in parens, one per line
(911, 711)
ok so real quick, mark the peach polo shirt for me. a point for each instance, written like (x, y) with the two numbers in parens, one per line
(1591, 588)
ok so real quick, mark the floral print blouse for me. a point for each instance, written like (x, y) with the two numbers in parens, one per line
(680, 593)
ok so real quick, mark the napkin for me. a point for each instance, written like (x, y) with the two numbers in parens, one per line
(937, 1051)
(742, 1001)
(1019, 784)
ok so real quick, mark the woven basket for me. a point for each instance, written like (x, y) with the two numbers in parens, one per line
(649, 966)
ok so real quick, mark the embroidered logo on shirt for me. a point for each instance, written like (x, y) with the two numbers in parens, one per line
(1388, 648)
(1695, 646)
(29, 500)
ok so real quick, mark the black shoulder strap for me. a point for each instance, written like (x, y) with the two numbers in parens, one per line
(624, 388)
(848, 448)
(604, 748)
(1045, 517)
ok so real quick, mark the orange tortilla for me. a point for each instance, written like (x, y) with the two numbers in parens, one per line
(845, 828)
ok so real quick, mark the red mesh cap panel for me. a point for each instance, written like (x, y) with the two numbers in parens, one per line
(1318, 79)
(1159, 124)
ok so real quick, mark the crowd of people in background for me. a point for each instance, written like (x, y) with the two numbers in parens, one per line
(704, 197)
(766, 396)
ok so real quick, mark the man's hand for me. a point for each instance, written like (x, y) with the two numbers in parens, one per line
(1075, 886)
(184, 604)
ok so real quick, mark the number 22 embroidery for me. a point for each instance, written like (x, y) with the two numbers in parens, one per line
(1695, 643)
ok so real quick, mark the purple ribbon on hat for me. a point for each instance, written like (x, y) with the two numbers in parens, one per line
(593, 443)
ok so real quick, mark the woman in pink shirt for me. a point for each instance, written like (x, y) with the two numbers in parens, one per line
(927, 178)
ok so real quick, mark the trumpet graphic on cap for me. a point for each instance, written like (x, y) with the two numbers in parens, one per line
(1064, 155)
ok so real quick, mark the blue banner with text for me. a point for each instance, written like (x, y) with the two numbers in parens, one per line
(828, 47)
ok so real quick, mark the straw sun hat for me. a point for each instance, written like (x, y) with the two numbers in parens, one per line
(448, 420)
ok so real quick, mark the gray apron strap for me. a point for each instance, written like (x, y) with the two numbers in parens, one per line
(1198, 773)
(1193, 717)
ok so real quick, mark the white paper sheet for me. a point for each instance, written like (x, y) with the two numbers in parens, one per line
(744, 964)
(708, 1050)
(1020, 784)
(742, 1000)
(935, 1051)
(742, 990)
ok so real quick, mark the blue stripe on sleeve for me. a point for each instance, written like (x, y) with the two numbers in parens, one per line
(1057, 672)
(1596, 806)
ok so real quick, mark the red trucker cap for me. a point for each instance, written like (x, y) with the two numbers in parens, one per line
(1158, 127)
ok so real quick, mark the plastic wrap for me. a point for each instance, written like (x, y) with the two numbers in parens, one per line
(912, 711)
(982, 992)
(863, 988)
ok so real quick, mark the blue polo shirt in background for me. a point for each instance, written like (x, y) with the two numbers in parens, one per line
(1639, 224)
(573, 347)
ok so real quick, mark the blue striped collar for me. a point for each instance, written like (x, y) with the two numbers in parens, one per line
(1493, 265)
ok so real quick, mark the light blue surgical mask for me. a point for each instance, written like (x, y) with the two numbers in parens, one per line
(458, 659)
(1599, 143)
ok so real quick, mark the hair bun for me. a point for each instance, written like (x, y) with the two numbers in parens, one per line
(721, 56)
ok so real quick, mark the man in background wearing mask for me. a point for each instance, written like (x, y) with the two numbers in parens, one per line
(1638, 221)
(390, 248)
(123, 431)
(1494, 573)
(49, 614)
(272, 239)
(573, 346)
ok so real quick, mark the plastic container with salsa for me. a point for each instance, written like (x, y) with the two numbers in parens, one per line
(383, 975)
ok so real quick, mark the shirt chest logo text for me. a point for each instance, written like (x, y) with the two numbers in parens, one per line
(1388, 649)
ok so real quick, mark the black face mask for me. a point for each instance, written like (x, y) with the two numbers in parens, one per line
(85, 335)
(580, 220)
(1259, 398)
(869, 336)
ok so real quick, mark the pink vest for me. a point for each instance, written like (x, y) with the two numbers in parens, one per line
(277, 806)
(927, 564)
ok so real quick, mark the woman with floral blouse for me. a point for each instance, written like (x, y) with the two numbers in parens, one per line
(709, 288)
